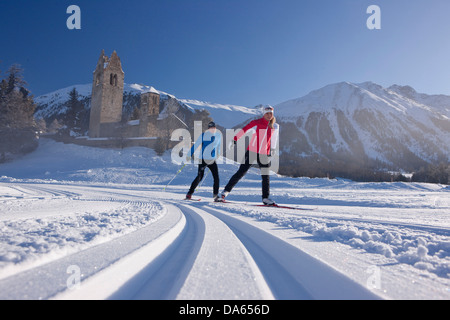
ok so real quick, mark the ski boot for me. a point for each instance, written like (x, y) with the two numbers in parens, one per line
(222, 197)
(269, 202)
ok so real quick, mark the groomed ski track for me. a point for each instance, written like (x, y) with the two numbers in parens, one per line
(206, 254)
(196, 250)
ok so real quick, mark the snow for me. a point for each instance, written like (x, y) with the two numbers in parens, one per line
(221, 112)
(105, 212)
(225, 114)
(353, 96)
(402, 113)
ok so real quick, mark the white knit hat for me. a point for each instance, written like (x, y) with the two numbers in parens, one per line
(267, 109)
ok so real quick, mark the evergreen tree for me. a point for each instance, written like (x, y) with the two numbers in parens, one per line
(17, 125)
(16, 104)
(55, 126)
(433, 174)
(75, 112)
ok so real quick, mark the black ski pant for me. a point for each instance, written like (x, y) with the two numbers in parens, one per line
(252, 158)
(212, 165)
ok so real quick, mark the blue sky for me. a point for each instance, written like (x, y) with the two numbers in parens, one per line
(242, 52)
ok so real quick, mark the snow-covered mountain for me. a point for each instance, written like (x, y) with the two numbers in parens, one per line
(366, 122)
(52, 104)
(363, 124)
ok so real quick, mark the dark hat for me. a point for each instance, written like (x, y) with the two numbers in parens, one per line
(211, 125)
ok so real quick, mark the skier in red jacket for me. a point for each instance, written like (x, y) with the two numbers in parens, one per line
(258, 152)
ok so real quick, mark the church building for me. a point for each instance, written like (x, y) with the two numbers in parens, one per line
(107, 96)
(107, 104)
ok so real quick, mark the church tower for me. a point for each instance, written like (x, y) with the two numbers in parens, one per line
(149, 113)
(107, 96)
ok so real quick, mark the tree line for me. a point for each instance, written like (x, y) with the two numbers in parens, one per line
(318, 167)
(18, 130)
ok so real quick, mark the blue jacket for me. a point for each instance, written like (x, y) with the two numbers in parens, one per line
(210, 143)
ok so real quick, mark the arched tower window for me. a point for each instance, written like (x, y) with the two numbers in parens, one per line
(113, 79)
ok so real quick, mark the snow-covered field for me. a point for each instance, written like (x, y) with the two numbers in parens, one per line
(70, 213)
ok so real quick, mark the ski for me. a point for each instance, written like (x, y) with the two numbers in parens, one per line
(269, 206)
(193, 199)
(223, 201)
(281, 207)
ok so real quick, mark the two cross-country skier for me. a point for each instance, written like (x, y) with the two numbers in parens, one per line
(210, 141)
(260, 149)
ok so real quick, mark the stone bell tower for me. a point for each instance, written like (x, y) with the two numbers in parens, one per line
(149, 113)
(107, 96)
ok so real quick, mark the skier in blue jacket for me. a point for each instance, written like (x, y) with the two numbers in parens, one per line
(210, 141)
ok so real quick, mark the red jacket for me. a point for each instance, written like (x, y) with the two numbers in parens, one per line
(261, 139)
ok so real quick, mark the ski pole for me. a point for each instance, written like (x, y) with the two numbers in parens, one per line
(175, 176)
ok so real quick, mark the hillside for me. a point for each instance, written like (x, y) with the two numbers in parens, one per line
(52, 105)
(368, 125)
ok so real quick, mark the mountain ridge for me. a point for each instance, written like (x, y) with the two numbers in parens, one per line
(363, 123)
